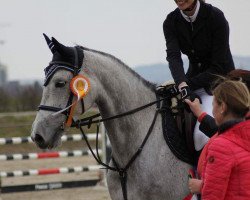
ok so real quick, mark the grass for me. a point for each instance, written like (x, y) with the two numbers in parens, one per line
(20, 126)
(11, 126)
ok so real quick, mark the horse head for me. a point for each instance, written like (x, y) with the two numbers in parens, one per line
(65, 86)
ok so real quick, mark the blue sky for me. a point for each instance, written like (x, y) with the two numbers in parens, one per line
(131, 30)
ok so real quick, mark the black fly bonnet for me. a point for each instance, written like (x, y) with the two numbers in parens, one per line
(67, 58)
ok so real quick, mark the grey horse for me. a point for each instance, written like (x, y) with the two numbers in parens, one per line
(156, 174)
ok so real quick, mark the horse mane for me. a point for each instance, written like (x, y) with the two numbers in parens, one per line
(152, 86)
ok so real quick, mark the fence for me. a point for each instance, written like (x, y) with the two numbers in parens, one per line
(48, 171)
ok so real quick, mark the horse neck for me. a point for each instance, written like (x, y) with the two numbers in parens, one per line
(121, 90)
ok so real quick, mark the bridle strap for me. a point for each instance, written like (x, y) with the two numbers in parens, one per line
(49, 108)
(121, 171)
(168, 93)
(97, 157)
(61, 63)
(83, 107)
(56, 109)
(89, 120)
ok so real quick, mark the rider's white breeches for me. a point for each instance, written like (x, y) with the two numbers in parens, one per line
(200, 139)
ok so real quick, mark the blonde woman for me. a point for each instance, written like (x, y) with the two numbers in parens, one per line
(224, 165)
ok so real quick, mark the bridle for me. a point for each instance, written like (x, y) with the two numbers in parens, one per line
(75, 69)
(122, 171)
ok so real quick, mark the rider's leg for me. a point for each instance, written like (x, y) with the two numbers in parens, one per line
(200, 139)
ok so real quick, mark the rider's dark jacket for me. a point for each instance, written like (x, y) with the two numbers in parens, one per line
(205, 42)
(209, 127)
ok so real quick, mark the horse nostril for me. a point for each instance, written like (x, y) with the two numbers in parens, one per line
(39, 139)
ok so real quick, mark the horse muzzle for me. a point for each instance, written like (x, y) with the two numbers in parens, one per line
(46, 134)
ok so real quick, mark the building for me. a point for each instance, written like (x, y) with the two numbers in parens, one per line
(3, 74)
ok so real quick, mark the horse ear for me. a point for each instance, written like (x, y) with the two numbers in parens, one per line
(50, 43)
(60, 48)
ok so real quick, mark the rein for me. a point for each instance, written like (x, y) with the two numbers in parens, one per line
(88, 121)
(121, 171)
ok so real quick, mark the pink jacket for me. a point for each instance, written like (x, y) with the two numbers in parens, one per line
(226, 167)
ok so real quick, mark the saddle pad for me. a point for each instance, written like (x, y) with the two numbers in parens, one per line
(174, 139)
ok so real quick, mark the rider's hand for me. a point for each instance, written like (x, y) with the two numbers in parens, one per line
(195, 106)
(186, 93)
(195, 185)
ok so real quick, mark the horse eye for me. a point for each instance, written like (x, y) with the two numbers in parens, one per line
(60, 84)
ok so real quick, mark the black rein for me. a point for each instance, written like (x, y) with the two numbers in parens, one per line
(121, 171)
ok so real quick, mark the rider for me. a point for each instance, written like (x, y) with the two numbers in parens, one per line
(200, 31)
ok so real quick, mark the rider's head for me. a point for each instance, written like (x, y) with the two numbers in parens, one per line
(186, 5)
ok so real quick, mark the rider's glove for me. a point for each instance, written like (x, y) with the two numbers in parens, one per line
(186, 93)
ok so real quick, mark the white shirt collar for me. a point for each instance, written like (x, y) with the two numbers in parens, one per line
(194, 16)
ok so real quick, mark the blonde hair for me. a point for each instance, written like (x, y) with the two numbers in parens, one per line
(235, 95)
